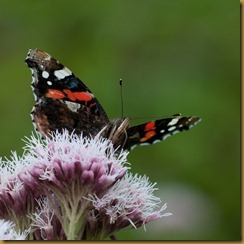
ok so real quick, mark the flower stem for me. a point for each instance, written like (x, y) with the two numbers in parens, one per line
(75, 227)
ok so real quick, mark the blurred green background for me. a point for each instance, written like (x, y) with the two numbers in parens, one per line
(174, 56)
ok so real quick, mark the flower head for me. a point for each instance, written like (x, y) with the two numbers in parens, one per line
(74, 187)
(7, 231)
(129, 202)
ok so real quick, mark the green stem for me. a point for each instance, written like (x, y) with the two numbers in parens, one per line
(76, 226)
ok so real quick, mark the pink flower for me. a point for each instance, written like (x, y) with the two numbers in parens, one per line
(76, 188)
(7, 231)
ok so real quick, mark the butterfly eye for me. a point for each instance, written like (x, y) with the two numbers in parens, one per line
(49, 83)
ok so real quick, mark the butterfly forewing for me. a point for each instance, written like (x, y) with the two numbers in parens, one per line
(62, 99)
(53, 80)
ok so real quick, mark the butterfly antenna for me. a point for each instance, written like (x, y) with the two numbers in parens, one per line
(121, 98)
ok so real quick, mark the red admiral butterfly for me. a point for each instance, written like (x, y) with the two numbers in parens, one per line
(64, 102)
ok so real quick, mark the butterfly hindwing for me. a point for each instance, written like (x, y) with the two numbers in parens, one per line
(158, 130)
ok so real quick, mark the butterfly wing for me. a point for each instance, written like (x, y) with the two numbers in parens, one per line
(62, 99)
(158, 130)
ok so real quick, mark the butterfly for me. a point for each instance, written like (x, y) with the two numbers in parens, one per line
(63, 101)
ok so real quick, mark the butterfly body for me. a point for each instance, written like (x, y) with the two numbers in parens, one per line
(64, 102)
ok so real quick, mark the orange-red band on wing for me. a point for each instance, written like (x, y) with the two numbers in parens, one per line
(82, 96)
(56, 94)
(147, 136)
(70, 94)
(73, 96)
(150, 126)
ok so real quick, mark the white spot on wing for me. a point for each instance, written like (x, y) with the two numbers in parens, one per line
(35, 97)
(144, 144)
(33, 119)
(166, 136)
(173, 122)
(45, 74)
(175, 132)
(132, 147)
(62, 73)
(49, 83)
(67, 71)
(33, 81)
(172, 128)
(73, 106)
(156, 141)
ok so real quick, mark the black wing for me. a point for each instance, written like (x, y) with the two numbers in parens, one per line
(158, 130)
